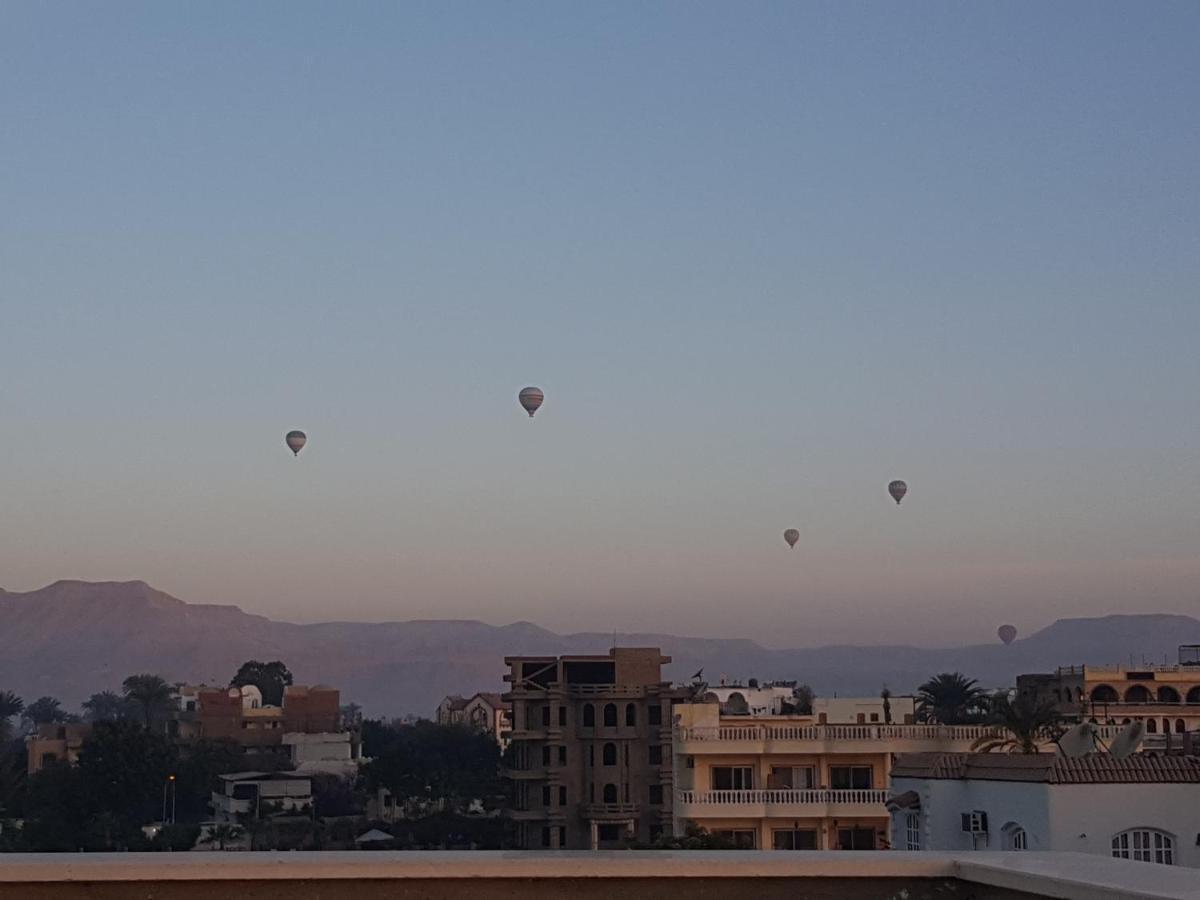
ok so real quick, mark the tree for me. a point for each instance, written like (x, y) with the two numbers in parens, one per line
(44, 710)
(223, 834)
(333, 795)
(150, 692)
(1026, 723)
(950, 699)
(197, 776)
(108, 706)
(270, 679)
(693, 838)
(123, 768)
(801, 703)
(426, 761)
(10, 705)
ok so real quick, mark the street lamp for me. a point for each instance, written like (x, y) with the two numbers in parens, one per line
(171, 782)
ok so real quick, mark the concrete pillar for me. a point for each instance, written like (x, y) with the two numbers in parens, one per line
(595, 843)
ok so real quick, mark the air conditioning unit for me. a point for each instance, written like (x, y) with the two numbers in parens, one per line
(975, 822)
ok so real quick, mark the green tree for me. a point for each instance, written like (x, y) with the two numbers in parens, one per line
(886, 696)
(951, 699)
(108, 706)
(427, 761)
(10, 705)
(197, 776)
(223, 834)
(693, 838)
(270, 679)
(149, 692)
(1025, 724)
(45, 710)
(123, 768)
(56, 814)
(801, 703)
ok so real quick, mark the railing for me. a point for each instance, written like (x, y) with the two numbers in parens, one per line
(838, 733)
(861, 796)
(599, 810)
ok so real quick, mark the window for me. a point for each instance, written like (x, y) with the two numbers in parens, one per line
(546, 797)
(912, 831)
(1151, 726)
(610, 715)
(1180, 727)
(691, 762)
(741, 838)
(656, 756)
(610, 793)
(562, 716)
(856, 838)
(562, 756)
(609, 832)
(732, 778)
(610, 754)
(1014, 837)
(589, 716)
(790, 778)
(874, 717)
(546, 755)
(546, 716)
(626, 755)
(630, 715)
(562, 836)
(846, 778)
(1145, 845)
(545, 837)
(656, 795)
(562, 795)
(654, 714)
(794, 839)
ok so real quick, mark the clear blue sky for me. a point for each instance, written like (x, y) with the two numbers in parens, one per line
(762, 257)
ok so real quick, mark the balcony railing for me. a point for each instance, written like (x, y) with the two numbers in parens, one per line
(762, 732)
(858, 796)
(611, 810)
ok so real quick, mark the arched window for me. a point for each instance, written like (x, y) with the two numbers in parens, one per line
(1180, 726)
(1167, 694)
(1014, 837)
(1145, 845)
(1103, 693)
(1166, 726)
(589, 716)
(630, 714)
(1139, 693)
(1152, 726)
(610, 793)
(610, 755)
(1193, 695)
(610, 715)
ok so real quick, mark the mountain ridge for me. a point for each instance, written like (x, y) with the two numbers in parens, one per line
(74, 637)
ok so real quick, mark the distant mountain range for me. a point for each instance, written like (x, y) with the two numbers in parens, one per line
(73, 638)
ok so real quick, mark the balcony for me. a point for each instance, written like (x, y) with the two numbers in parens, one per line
(759, 738)
(611, 812)
(792, 804)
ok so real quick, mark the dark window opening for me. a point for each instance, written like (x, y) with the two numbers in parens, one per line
(589, 716)
(847, 778)
(562, 795)
(610, 793)
(656, 795)
(609, 756)
(630, 715)
(656, 755)
(795, 839)
(541, 674)
(562, 756)
(856, 838)
(590, 672)
(562, 716)
(654, 714)
(610, 715)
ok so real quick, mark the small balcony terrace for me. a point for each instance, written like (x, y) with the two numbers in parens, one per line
(784, 803)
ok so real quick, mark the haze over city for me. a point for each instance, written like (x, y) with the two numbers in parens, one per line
(762, 260)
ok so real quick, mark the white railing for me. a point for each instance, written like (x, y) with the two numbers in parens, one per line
(838, 733)
(860, 796)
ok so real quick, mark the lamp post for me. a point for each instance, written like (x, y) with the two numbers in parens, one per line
(171, 783)
(171, 779)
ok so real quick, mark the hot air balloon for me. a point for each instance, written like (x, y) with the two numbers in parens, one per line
(296, 441)
(1007, 633)
(531, 398)
(791, 536)
(897, 489)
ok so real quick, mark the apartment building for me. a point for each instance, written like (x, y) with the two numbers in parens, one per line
(55, 741)
(590, 755)
(793, 782)
(484, 711)
(1165, 697)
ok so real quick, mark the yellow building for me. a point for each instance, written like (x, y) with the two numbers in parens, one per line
(791, 782)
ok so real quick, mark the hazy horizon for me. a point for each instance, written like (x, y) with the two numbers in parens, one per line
(762, 260)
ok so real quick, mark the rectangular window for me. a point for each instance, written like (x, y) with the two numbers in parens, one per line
(545, 796)
(591, 754)
(562, 716)
(656, 756)
(546, 837)
(856, 838)
(562, 836)
(741, 838)
(912, 831)
(656, 795)
(562, 755)
(654, 714)
(546, 755)
(792, 778)
(732, 778)
(562, 795)
(848, 778)
(610, 832)
(546, 715)
(794, 839)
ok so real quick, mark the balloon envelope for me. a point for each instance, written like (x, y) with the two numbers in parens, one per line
(791, 536)
(1007, 633)
(296, 441)
(897, 489)
(531, 398)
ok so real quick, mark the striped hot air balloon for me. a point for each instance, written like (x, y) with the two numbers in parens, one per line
(897, 489)
(296, 441)
(531, 398)
(791, 536)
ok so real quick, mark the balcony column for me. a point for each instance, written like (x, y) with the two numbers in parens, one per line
(595, 845)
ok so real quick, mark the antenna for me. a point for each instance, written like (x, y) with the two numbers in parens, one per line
(1128, 741)
(1078, 741)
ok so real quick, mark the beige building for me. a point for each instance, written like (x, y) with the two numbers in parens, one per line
(1165, 697)
(55, 741)
(484, 712)
(591, 749)
(791, 782)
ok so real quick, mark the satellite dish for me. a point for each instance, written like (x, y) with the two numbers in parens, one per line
(1079, 741)
(1127, 742)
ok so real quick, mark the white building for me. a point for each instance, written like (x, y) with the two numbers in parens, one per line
(865, 710)
(1144, 807)
(752, 698)
(260, 794)
(332, 753)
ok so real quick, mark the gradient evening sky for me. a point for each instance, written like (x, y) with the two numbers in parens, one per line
(762, 257)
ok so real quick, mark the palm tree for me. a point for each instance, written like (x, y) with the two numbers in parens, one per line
(950, 699)
(220, 834)
(148, 691)
(106, 706)
(1026, 723)
(10, 705)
